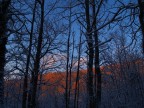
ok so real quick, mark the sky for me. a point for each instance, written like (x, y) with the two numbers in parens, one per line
(104, 34)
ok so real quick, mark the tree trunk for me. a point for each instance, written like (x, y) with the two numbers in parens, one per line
(68, 70)
(97, 79)
(141, 19)
(4, 5)
(76, 95)
(97, 73)
(25, 85)
(90, 57)
(37, 60)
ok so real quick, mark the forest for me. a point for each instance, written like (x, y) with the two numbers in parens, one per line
(71, 53)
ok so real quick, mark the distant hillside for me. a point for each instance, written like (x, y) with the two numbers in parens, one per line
(120, 84)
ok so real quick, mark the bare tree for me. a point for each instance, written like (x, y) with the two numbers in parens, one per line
(76, 95)
(141, 17)
(4, 9)
(25, 85)
(35, 71)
